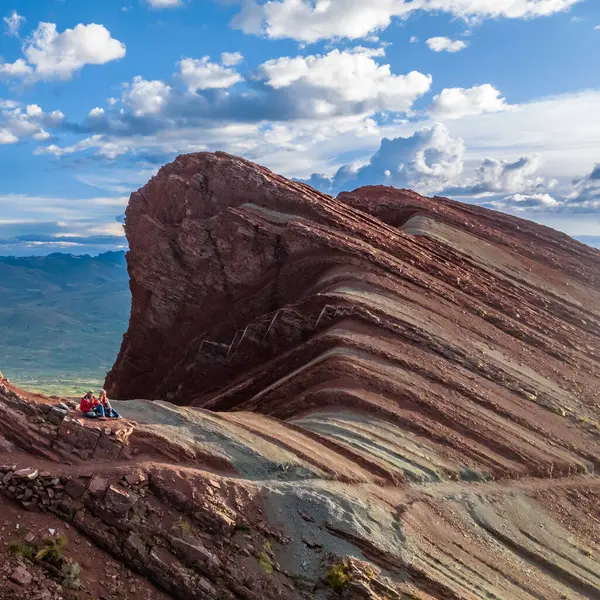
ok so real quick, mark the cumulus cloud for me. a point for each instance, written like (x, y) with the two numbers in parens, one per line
(52, 55)
(495, 176)
(428, 161)
(296, 101)
(455, 103)
(6, 137)
(431, 161)
(96, 113)
(146, 97)
(109, 149)
(230, 59)
(15, 70)
(334, 82)
(13, 23)
(524, 203)
(444, 44)
(314, 20)
(202, 74)
(585, 194)
(19, 123)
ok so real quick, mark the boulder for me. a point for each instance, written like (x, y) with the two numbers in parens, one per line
(57, 415)
(98, 485)
(119, 501)
(21, 576)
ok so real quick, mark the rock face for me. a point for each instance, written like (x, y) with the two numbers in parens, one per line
(378, 396)
(449, 325)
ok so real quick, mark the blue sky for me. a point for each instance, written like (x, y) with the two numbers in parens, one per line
(495, 103)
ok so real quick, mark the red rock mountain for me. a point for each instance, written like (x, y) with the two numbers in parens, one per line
(379, 396)
(475, 331)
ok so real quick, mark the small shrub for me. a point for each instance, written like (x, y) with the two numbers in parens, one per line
(267, 547)
(338, 576)
(184, 525)
(53, 550)
(23, 549)
(265, 562)
(69, 574)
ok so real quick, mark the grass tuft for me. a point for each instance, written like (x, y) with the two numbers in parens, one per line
(338, 576)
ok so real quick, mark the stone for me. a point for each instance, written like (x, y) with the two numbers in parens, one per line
(57, 415)
(194, 551)
(75, 489)
(21, 576)
(107, 448)
(136, 477)
(98, 485)
(27, 474)
(119, 501)
(81, 437)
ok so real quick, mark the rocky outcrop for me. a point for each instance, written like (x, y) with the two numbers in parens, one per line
(237, 506)
(376, 396)
(463, 330)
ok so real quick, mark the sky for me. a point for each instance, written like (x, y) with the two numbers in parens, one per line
(493, 103)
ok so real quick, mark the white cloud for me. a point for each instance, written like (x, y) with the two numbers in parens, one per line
(18, 123)
(6, 137)
(33, 110)
(15, 70)
(585, 193)
(112, 101)
(493, 177)
(314, 20)
(41, 136)
(428, 161)
(13, 23)
(146, 97)
(201, 74)
(230, 59)
(414, 39)
(164, 3)
(563, 130)
(52, 55)
(455, 103)
(525, 203)
(326, 84)
(444, 44)
(105, 148)
(597, 28)
(96, 113)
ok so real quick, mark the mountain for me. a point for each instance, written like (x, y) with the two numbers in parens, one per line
(377, 396)
(61, 317)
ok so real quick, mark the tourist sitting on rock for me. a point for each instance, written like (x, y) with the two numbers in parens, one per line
(90, 407)
(109, 411)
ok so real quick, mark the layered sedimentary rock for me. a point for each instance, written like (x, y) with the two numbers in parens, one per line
(378, 396)
(462, 340)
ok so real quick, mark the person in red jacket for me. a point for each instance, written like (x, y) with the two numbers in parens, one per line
(90, 407)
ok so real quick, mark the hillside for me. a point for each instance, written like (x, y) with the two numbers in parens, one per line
(61, 317)
(379, 396)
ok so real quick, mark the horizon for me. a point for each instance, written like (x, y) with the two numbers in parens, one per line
(495, 106)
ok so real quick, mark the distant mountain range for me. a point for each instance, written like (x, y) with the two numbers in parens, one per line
(62, 318)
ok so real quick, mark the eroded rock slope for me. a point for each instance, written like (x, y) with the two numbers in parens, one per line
(375, 396)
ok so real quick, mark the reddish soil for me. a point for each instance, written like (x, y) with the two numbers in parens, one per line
(101, 575)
